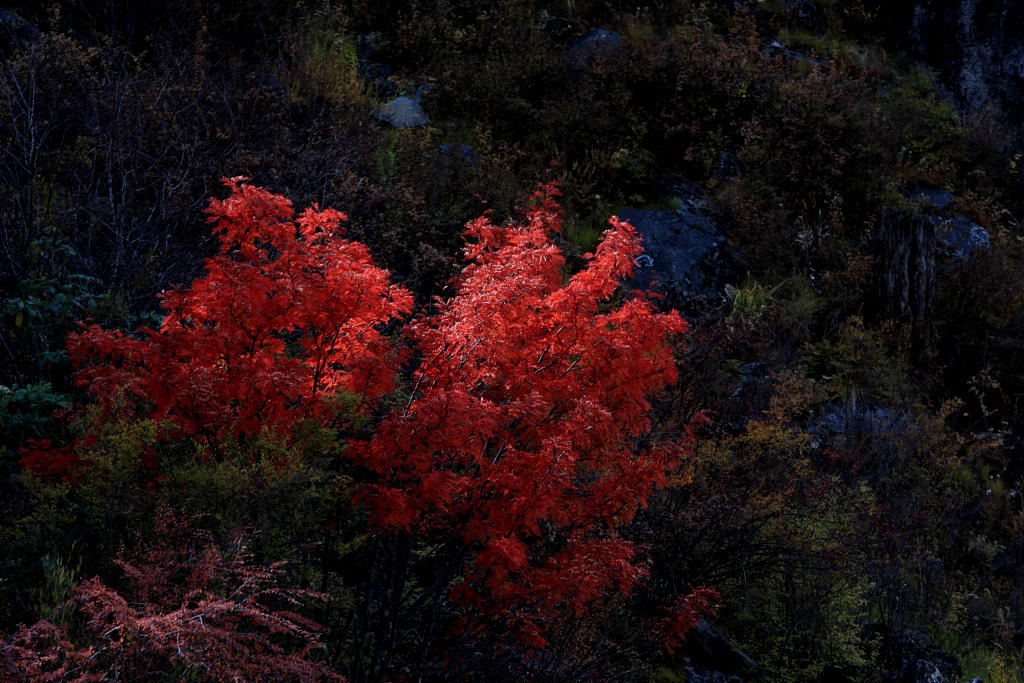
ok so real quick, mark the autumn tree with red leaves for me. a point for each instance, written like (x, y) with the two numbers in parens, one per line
(527, 434)
(521, 449)
(288, 315)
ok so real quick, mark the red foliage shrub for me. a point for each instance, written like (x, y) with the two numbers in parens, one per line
(527, 431)
(526, 438)
(287, 314)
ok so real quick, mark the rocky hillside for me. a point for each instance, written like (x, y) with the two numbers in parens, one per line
(829, 192)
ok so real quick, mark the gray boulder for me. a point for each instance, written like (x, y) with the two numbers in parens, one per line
(956, 235)
(913, 656)
(930, 198)
(960, 237)
(923, 671)
(593, 47)
(923, 662)
(715, 658)
(403, 112)
(853, 419)
(865, 425)
(682, 248)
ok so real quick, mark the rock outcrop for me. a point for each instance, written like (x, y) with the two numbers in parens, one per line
(905, 273)
(593, 47)
(684, 251)
(403, 112)
(978, 47)
(912, 656)
(713, 658)
(959, 237)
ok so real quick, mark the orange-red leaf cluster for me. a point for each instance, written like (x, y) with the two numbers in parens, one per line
(528, 427)
(288, 313)
(526, 436)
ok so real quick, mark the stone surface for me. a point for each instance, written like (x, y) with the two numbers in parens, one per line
(859, 419)
(402, 112)
(716, 657)
(923, 662)
(930, 198)
(594, 46)
(912, 656)
(977, 47)
(682, 249)
(956, 235)
(905, 272)
(960, 237)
